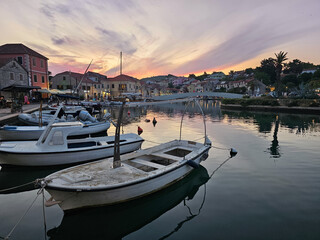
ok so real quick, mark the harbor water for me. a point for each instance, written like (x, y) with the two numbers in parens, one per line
(269, 190)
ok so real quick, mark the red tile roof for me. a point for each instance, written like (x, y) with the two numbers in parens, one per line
(123, 77)
(19, 48)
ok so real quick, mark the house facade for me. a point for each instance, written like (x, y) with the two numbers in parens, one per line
(92, 86)
(11, 72)
(123, 84)
(35, 63)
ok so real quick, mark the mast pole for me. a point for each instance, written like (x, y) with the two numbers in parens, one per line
(120, 63)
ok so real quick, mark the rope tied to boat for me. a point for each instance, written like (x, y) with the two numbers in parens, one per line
(15, 187)
(40, 191)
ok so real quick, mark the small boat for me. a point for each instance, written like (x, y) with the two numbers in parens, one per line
(133, 215)
(23, 133)
(33, 119)
(115, 180)
(54, 147)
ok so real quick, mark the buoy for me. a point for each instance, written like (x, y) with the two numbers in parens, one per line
(129, 113)
(233, 152)
(147, 120)
(192, 163)
(139, 130)
(154, 121)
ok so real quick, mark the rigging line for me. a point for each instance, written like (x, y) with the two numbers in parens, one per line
(152, 141)
(220, 166)
(22, 185)
(8, 236)
(44, 216)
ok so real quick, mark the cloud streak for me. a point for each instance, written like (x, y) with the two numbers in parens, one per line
(161, 37)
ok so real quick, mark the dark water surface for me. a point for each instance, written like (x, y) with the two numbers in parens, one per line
(270, 190)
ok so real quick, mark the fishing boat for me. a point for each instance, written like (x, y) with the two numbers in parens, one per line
(55, 147)
(115, 180)
(133, 215)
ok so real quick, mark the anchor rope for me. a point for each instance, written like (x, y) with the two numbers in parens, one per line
(44, 216)
(25, 213)
(22, 185)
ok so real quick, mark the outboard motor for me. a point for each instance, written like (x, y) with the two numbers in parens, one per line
(85, 116)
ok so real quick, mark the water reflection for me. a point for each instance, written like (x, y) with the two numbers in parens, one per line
(115, 222)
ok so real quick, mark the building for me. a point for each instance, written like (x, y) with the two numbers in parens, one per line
(216, 76)
(12, 73)
(123, 84)
(35, 63)
(93, 85)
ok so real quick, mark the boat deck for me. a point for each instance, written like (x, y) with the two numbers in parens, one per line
(134, 166)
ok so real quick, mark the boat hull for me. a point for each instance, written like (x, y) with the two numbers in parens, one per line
(33, 133)
(69, 200)
(67, 157)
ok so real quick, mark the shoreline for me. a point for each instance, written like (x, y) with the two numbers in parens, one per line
(265, 108)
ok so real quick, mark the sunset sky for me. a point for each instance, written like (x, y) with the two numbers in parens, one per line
(158, 37)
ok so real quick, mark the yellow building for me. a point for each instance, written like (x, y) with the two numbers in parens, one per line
(122, 84)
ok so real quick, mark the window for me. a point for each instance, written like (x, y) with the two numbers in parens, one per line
(41, 63)
(64, 78)
(57, 138)
(102, 85)
(11, 76)
(21, 77)
(107, 86)
(35, 79)
(34, 62)
(19, 59)
(95, 86)
(99, 86)
(83, 87)
(42, 79)
(112, 85)
(130, 85)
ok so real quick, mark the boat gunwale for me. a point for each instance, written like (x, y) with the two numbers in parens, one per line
(71, 150)
(162, 172)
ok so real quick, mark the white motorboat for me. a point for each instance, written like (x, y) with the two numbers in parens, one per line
(22, 133)
(55, 148)
(111, 180)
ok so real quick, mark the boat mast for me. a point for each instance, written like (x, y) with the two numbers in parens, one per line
(82, 78)
(116, 154)
(120, 63)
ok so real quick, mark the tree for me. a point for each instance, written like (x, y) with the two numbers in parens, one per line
(249, 71)
(279, 61)
(305, 77)
(290, 78)
(268, 66)
(263, 77)
(170, 85)
(191, 75)
(296, 67)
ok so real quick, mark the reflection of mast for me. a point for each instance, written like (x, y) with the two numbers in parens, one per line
(274, 149)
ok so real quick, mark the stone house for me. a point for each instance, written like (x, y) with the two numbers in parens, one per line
(11, 72)
(35, 63)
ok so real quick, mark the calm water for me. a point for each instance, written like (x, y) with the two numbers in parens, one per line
(270, 190)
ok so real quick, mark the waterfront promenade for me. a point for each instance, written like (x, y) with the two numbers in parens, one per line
(6, 115)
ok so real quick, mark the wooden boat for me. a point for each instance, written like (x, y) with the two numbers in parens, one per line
(134, 214)
(111, 180)
(55, 148)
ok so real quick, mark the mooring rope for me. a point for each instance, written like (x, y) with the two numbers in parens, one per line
(15, 187)
(25, 213)
(44, 215)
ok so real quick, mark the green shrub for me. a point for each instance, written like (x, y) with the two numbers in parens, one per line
(293, 103)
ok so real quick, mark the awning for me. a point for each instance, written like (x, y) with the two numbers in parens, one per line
(19, 88)
(44, 90)
(55, 91)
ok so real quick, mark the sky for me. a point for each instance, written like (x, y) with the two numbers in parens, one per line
(160, 37)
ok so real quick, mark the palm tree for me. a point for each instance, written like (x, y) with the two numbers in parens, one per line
(279, 61)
